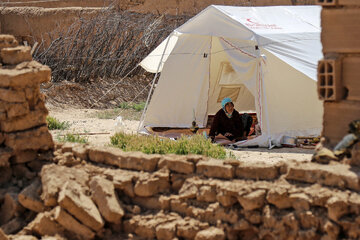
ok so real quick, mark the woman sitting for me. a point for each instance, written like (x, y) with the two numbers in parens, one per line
(227, 122)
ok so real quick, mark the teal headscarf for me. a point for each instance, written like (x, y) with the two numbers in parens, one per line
(223, 104)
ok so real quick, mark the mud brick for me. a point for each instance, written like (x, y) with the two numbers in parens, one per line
(71, 224)
(351, 77)
(340, 30)
(33, 119)
(16, 55)
(329, 80)
(332, 3)
(337, 116)
(7, 41)
(12, 96)
(26, 74)
(215, 168)
(29, 197)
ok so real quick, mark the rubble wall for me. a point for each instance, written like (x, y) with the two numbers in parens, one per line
(87, 192)
(338, 74)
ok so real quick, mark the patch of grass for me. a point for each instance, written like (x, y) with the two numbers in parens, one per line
(127, 114)
(54, 124)
(196, 144)
(70, 137)
(135, 106)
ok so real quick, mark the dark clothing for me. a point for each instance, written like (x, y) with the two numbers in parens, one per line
(222, 124)
(247, 122)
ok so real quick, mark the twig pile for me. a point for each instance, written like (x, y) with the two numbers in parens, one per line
(108, 45)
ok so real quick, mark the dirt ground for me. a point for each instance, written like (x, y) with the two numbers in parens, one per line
(98, 131)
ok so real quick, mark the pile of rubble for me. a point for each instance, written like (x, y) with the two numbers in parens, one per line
(87, 192)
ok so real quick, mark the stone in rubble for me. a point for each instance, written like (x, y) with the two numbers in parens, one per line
(206, 194)
(32, 119)
(24, 156)
(3, 235)
(215, 168)
(45, 225)
(147, 186)
(255, 170)
(189, 227)
(176, 163)
(300, 201)
(23, 75)
(253, 200)
(36, 139)
(5, 154)
(7, 40)
(5, 175)
(103, 194)
(29, 197)
(71, 224)
(21, 171)
(177, 180)
(225, 199)
(13, 226)
(10, 208)
(16, 55)
(212, 233)
(106, 155)
(166, 231)
(148, 202)
(122, 180)
(53, 177)
(12, 96)
(279, 197)
(337, 206)
(81, 151)
(14, 110)
(73, 199)
(335, 175)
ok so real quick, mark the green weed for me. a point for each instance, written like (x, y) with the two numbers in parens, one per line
(127, 114)
(196, 144)
(69, 137)
(135, 106)
(54, 124)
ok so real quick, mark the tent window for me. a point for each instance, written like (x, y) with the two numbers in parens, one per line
(227, 75)
(231, 92)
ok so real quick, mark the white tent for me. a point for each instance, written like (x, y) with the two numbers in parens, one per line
(264, 58)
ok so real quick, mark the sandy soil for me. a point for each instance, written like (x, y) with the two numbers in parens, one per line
(98, 132)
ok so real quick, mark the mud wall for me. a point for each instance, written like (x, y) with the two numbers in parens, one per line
(338, 73)
(34, 24)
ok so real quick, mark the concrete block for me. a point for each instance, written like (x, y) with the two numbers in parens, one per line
(71, 224)
(16, 55)
(329, 80)
(340, 30)
(350, 77)
(337, 116)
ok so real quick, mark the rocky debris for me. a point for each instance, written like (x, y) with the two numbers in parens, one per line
(93, 199)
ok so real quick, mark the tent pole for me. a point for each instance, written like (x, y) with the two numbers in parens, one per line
(152, 85)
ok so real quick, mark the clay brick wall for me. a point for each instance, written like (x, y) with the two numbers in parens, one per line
(338, 84)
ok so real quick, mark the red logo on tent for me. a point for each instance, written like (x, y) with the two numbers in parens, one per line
(251, 23)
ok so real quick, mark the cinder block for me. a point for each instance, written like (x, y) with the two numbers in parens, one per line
(340, 30)
(329, 80)
(332, 3)
(337, 116)
(351, 77)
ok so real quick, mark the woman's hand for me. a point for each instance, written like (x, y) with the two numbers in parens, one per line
(228, 134)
